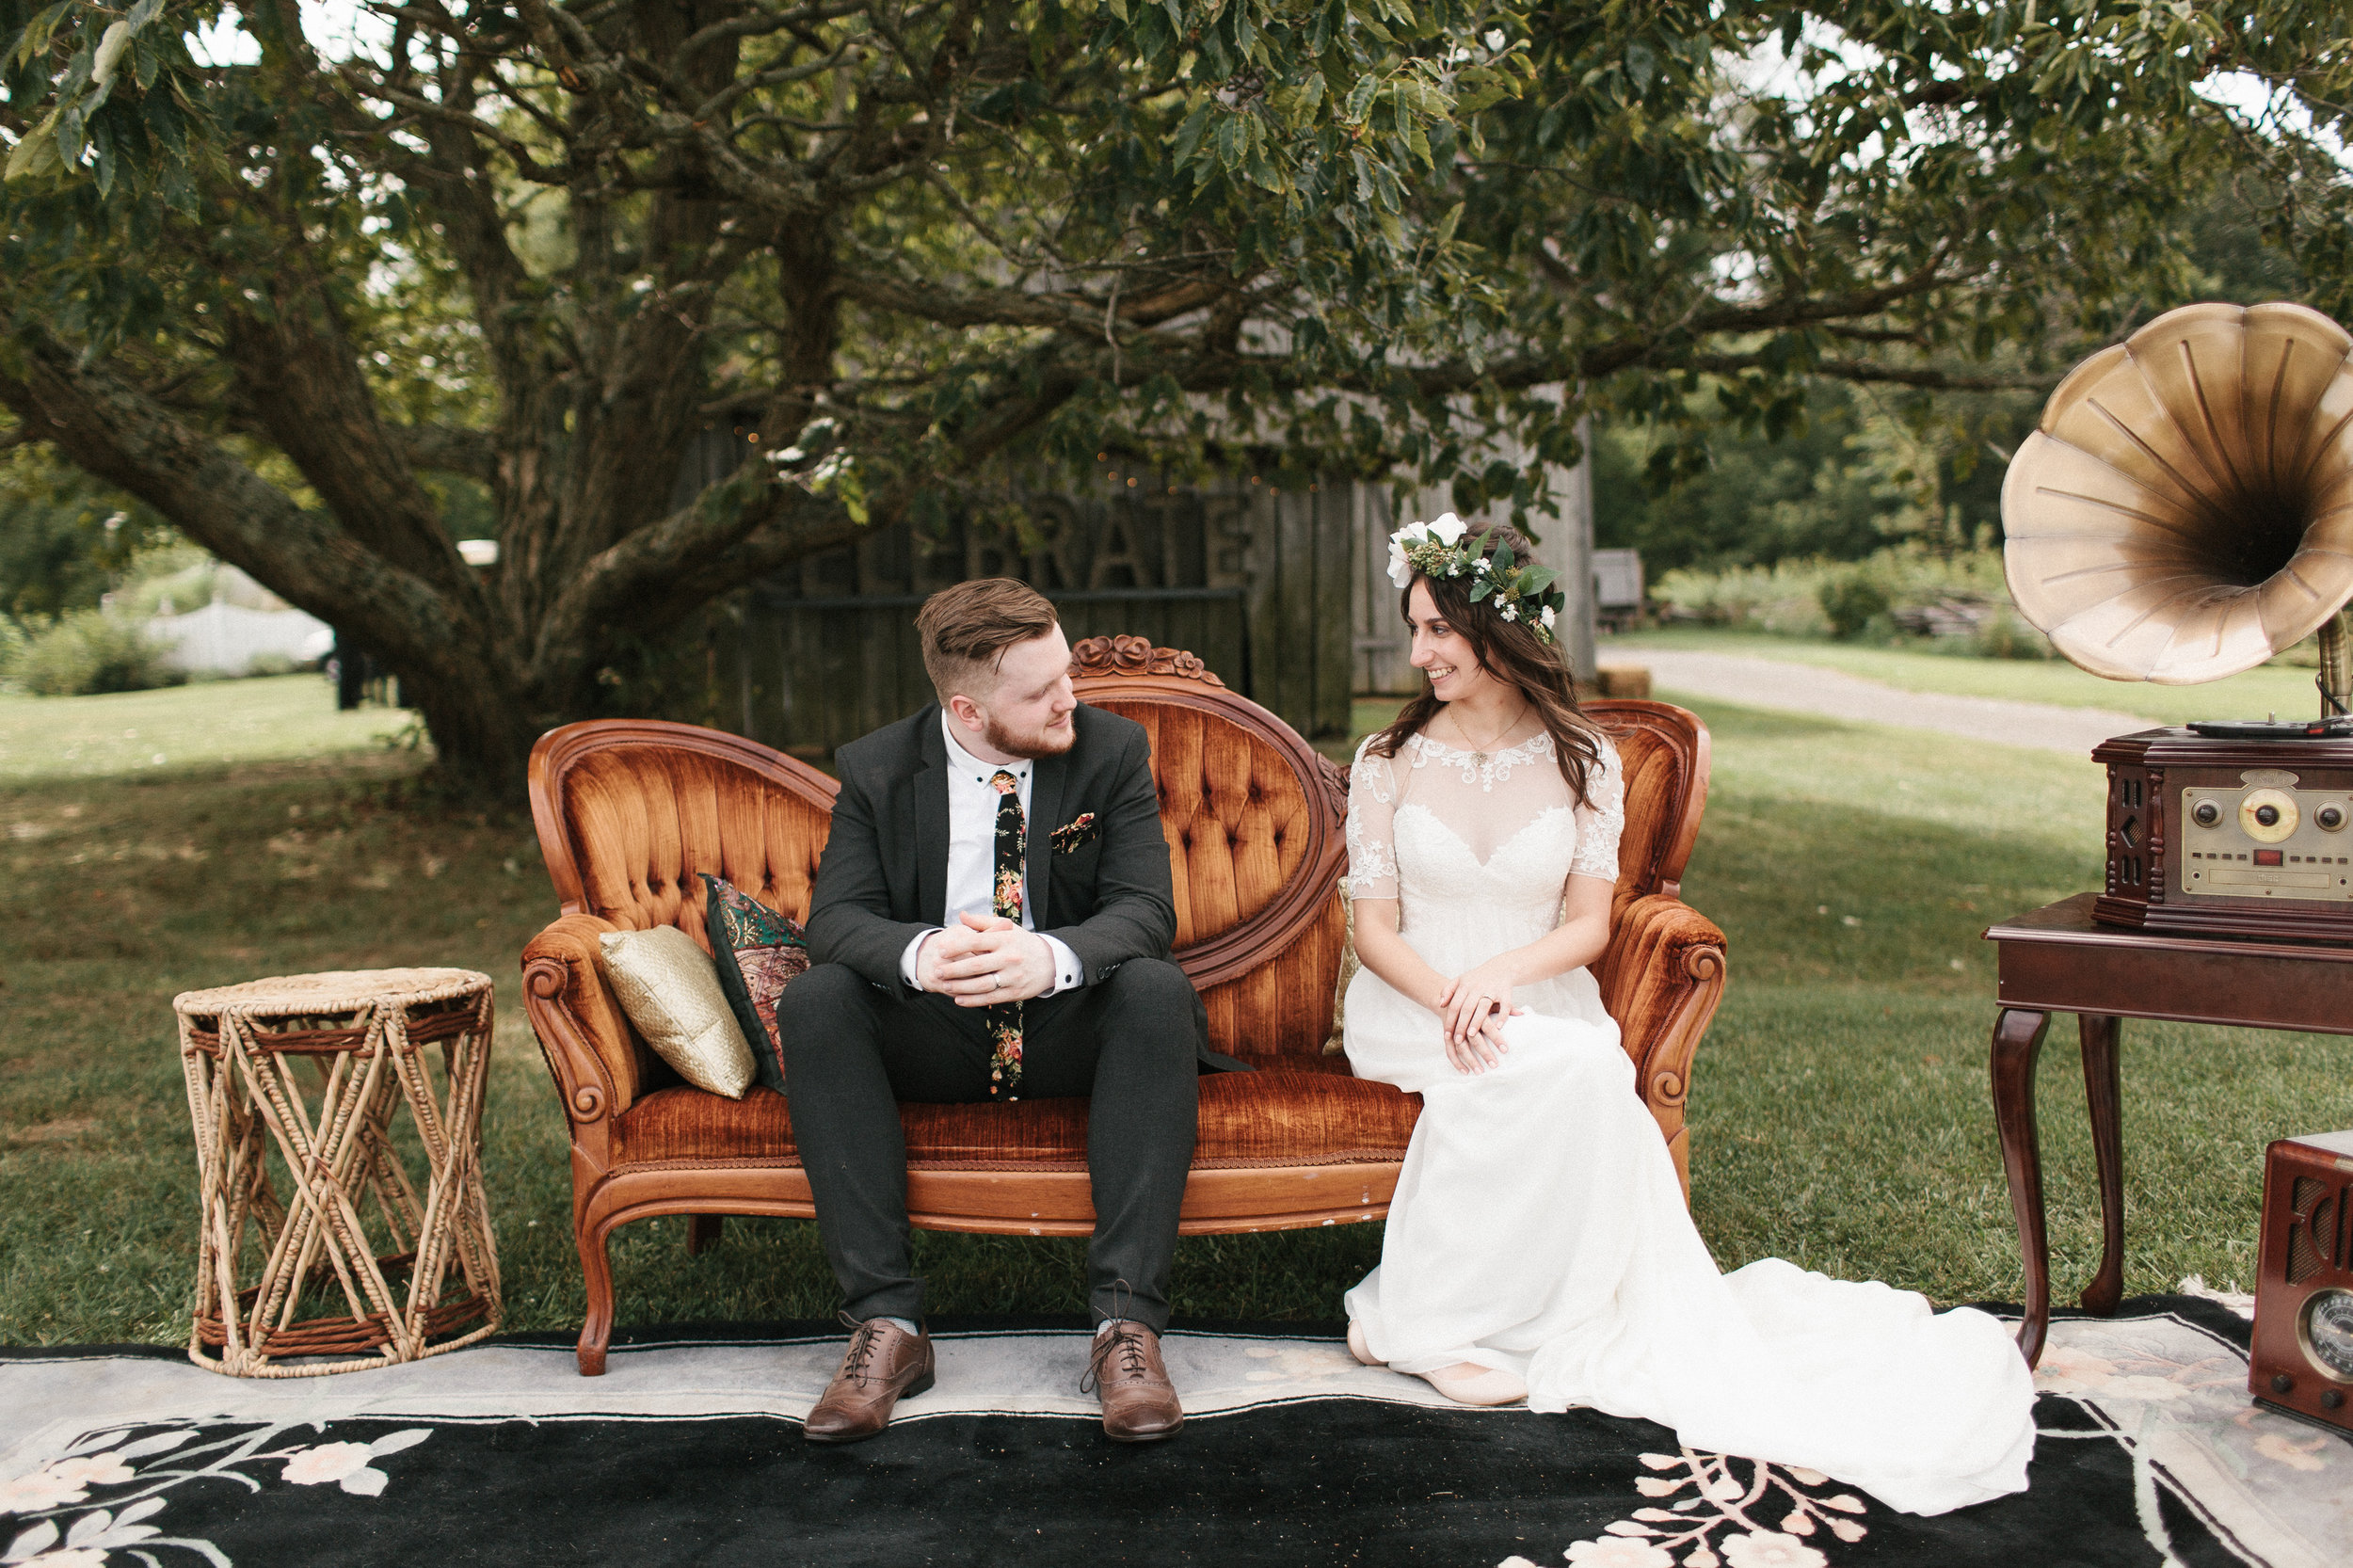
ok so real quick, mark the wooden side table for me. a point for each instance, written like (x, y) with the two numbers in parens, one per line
(308, 1187)
(2056, 959)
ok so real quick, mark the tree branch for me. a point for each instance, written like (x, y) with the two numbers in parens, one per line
(446, 449)
(299, 372)
(113, 431)
(1926, 376)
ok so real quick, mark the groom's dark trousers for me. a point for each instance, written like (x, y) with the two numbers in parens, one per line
(1130, 1040)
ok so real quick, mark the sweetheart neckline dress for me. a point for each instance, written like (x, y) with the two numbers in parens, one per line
(1538, 1226)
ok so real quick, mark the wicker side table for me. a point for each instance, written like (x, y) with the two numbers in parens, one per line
(307, 1191)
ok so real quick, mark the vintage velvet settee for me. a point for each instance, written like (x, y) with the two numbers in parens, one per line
(628, 811)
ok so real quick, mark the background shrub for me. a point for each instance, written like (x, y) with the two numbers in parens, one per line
(2008, 634)
(271, 663)
(89, 651)
(1852, 601)
(1784, 598)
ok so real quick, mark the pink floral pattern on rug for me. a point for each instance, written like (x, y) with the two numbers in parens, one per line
(41, 1500)
(1727, 1512)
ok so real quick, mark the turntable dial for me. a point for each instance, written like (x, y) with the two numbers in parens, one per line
(2269, 816)
(2327, 1330)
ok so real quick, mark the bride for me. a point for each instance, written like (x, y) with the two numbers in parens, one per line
(1537, 1245)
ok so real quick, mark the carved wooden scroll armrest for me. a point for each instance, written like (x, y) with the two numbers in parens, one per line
(582, 1030)
(1663, 977)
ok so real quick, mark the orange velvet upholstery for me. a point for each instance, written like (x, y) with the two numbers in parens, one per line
(567, 951)
(1291, 1113)
(1240, 823)
(647, 820)
(630, 811)
(1658, 782)
(1234, 811)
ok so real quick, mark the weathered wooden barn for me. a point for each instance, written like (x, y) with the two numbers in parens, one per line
(1276, 581)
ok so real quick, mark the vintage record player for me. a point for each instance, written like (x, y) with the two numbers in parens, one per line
(2183, 512)
(2245, 838)
(2302, 1359)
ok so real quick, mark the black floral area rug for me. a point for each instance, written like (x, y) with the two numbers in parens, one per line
(689, 1451)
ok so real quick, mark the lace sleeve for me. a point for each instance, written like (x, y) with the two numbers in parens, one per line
(1371, 851)
(1601, 818)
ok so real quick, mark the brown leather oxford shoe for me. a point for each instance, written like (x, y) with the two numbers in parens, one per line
(883, 1363)
(1139, 1402)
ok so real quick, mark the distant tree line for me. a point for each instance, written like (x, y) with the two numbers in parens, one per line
(1858, 467)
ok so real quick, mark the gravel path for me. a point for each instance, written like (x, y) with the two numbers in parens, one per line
(1809, 689)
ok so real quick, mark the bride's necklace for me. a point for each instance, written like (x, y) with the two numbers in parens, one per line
(1479, 752)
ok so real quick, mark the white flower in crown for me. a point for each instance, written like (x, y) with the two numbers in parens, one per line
(1511, 612)
(1547, 618)
(1447, 527)
(1400, 569)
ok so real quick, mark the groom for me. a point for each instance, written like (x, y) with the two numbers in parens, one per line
(992, 922)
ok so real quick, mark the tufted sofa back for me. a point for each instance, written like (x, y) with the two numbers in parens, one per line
(1664, 751)
(630, 811)
(1254, 821)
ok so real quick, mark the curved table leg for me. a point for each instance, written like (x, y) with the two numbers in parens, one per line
(2017, 1042)
(2103, 1094)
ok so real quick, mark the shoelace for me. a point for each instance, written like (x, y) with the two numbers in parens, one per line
(861, 1347)
(1124, 1342)
(1125, 1336)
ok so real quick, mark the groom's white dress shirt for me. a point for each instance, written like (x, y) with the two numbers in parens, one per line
(972, 856)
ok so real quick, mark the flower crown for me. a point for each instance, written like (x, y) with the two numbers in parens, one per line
(1518, 593)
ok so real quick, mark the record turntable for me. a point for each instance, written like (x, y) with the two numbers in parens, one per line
(2183, 512)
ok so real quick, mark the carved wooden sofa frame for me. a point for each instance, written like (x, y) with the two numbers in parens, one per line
(628, 811)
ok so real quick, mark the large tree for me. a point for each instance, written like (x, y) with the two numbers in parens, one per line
(524, 254)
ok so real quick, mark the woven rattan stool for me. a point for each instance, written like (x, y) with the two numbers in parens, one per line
(350, 1219)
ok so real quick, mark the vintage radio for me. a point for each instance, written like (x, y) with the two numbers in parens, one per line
(2183, 512)
(2248, 838)
(2302, 1361)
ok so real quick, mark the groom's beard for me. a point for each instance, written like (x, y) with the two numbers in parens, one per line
(1030, 745)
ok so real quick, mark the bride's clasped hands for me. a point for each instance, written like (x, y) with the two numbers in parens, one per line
(1472, 1009)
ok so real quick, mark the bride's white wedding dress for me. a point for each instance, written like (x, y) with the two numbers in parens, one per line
(1538, 1226)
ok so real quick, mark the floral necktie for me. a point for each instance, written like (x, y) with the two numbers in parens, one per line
(1012, 850)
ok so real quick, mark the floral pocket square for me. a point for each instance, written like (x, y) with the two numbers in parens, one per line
(1079, 829)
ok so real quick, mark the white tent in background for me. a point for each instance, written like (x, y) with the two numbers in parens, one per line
(229, 638)
(244, 622)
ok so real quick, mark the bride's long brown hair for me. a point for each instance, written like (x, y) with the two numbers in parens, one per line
(1509, 651)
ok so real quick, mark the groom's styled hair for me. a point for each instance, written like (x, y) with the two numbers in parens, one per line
(967, 627)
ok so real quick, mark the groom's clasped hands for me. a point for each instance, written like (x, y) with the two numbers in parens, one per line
(984, 960)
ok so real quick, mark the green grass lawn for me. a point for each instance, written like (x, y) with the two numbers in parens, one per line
(2282, 689)
(1839, 1105)
(217, 723)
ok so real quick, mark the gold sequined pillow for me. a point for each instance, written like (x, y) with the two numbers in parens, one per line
(666, 985)
(1337, 1042)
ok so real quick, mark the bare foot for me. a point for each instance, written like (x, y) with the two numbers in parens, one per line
(1467, 1382)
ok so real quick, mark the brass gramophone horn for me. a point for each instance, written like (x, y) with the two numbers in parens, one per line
(2185, 510)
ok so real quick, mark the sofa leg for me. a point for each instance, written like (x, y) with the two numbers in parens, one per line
(596, 1329)
(702, 1233)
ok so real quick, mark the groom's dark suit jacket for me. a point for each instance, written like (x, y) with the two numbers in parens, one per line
(884, 877)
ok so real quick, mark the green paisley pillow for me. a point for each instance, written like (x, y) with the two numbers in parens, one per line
(758, 953)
